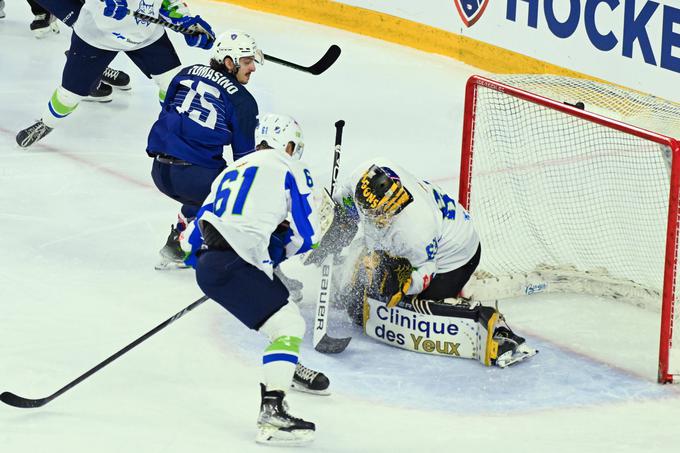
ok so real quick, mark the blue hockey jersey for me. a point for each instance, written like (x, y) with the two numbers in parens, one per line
(204, 110)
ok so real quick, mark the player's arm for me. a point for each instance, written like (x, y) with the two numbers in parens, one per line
(177, 12)
(243, 123)
(303, 232)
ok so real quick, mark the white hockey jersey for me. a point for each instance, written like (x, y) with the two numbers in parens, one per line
(251, 197)
(433, 232)
(108, 33)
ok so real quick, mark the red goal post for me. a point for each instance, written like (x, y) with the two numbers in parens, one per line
(574, 201)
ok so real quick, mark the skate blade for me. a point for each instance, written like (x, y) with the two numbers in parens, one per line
(301, 388)
(271, 435)
(519, 355)
(127, 87)
(102, 99)
(45, 32)
(170, 266)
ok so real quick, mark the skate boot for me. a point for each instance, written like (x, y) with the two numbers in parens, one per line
(100, 93)
(511, 347)
(276, 426)
(117, 79)
(310, 381)
(172, 255)
(2, 9)
(32, 134)
(44, 25)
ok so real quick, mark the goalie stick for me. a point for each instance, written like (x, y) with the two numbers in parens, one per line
(325, 62)
(321, 340)
(19, 401)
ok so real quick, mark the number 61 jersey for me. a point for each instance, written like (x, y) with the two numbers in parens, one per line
(248, 201)
(204, 110)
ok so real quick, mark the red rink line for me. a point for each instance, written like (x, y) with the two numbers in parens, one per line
(80, 160)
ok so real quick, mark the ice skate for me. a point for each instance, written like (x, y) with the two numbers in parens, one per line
(117, 79)
(2, 9)
(310, 381)
(512, 348)
(172, 255)
(44, 25)
(101, 93)
(276, 426)
(32, 134)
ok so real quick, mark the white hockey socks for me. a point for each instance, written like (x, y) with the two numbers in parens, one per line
(62, 103)
(285, 329)
(163, 82)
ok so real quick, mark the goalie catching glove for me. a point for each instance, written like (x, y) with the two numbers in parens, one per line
(342, 229)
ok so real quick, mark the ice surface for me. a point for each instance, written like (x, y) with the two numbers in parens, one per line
(82, 224)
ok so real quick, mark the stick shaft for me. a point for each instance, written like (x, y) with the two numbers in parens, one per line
(17, 401)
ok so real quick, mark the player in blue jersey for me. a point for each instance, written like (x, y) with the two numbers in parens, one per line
(206, 108)
(101, 29)
(260, 211)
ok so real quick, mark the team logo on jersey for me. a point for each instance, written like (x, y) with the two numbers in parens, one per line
(147, 9)
(470, 10)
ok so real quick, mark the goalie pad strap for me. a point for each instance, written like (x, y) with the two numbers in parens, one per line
(491, 351)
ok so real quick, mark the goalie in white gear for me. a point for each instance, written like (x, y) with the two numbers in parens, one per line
(417, 249)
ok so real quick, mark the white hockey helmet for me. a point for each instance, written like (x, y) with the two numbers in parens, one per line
(279, 130)
(236, 44)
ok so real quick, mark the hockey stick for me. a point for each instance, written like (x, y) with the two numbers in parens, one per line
(18, 401)
(321, 340)
(317, 68)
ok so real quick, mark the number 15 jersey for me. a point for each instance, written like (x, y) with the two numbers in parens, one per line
(204, 110)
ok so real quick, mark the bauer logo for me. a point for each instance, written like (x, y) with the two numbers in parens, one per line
(470, 10)
(534, 288)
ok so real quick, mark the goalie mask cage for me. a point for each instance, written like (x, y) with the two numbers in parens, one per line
(569, 200)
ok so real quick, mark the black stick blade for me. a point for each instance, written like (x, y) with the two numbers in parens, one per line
(330, 345)
(331, 55)
(317, 68)
(18, 401)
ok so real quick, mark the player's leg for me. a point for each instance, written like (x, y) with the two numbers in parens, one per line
(158, 61)
(44, 23)
(450, 284)
(189, 185)
(83, 68)
(261, 304)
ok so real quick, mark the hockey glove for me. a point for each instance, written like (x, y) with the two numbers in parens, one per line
(116, 9)
(203, 36)
(277, 244)
(392, 278)
(339, 235)
(173, 10)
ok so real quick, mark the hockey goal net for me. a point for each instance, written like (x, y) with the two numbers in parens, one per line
(566, 199)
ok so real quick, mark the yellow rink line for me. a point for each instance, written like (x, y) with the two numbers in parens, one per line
(408, 33)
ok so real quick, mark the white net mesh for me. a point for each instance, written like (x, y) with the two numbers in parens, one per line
(562, 203)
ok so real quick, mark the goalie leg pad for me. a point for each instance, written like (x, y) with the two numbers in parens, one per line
(466, 330)
(439, 334)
